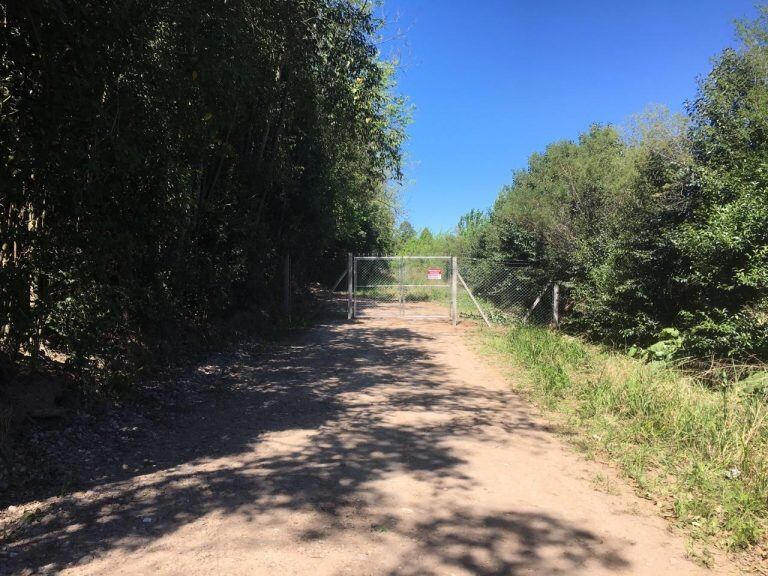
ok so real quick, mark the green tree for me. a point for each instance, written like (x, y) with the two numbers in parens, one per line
(560, 209)
(631, 289)
(405, 232)
(160, 158)
(726, 239)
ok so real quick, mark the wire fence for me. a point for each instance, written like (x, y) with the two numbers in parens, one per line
(417, 287)
(506, 292)
(489, 289)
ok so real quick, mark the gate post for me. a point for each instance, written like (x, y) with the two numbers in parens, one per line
(556, 304)
(402, 287)
(350, 285)
(454, 289)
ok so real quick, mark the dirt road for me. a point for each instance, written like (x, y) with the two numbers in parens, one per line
(358, 448)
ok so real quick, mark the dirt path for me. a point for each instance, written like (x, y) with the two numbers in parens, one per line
(361, 448)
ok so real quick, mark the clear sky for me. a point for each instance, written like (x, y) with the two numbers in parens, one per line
(493, 81)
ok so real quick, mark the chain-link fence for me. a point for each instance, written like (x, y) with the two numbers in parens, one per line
(490, 290)
(376, 287)
(405, 286)
(506, 292)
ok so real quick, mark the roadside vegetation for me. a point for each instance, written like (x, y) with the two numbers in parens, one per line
(696, 445)
(160, 159)
(659, 232)
(658, 225)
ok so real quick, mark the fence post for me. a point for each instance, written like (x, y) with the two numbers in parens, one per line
(454, 289)
(287, 286)
(556, 304)
(402, 287)
(350, 279)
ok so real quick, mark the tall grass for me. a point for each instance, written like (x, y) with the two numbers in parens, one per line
(699, 451)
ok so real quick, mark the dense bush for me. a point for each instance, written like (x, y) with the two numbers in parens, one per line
(664, 225)
(159, 159)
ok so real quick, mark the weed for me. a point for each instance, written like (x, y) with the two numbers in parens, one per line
(701, 449)
(603, 483)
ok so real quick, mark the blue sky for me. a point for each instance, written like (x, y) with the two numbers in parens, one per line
(493, 81)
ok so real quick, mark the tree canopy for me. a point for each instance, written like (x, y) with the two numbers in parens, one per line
(160, 157)
(663, 224)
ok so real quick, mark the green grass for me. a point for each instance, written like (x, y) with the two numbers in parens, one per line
(677, 438)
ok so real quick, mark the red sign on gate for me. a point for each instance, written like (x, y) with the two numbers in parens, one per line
(434, 274)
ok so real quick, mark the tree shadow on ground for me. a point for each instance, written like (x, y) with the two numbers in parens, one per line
(334, 389)
(505, 544)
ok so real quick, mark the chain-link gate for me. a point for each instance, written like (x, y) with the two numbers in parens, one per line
(491, 290)
(403, 286)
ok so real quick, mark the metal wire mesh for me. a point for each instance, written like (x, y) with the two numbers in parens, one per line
(410, 287)
(420, 287)
(377, 288)
(505, 291)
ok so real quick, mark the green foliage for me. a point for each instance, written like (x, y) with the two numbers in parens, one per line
(468, 239)
(405, 233)
(425, 243)
(599, 213)
(666, 348)
(551, 211)
(725, 241)
(664, 225)
(701, 453)
(159, 158)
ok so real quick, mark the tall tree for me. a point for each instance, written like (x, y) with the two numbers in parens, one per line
(161, 157)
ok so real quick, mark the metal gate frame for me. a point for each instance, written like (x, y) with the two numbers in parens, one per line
(353, 286)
